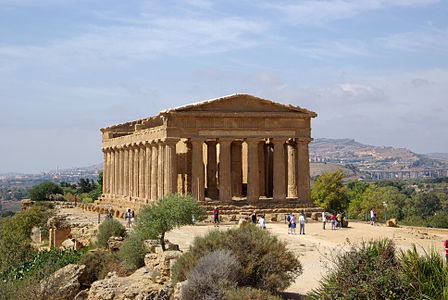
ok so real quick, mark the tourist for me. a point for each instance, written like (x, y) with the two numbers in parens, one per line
(293, 224)
(109, 212)
(132, 218)
(333, 222)
(324, 219)
(288, 220)
(254, 217)
(372, 217)
(445, 244)
(75, 199)
(339, 220)
(262, 222)
(216, 216)
(302, 223)
(127, 216)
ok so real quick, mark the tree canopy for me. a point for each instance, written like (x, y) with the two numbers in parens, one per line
(43, 191)
(167, 213)
(329, 191)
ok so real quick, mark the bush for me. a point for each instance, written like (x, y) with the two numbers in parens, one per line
(108, 228)
(264, 261)
(246, 293)
(212, 276)
(132, 252)
(166, 214)
(43, 264)
(367, 269)
(101, 262)
(87, 200)
(427, 274)
(15, 231)
(43, 191)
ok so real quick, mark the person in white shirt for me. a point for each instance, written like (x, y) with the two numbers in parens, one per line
(372, 217)
(324, 219)
(262, 222)
(302, 224)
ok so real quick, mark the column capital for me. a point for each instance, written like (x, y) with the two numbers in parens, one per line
(304, 140)
(197, 140)
(225, 140)
(170, 140)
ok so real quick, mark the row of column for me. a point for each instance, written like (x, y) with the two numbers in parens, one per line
(289, 177)
(145, 171)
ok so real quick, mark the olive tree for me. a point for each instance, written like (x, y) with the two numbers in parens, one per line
(172, 211)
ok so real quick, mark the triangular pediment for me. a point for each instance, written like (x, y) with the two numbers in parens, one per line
(240, 103)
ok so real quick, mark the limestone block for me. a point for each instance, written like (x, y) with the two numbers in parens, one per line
(242, 222)
(64, 284)
(314, 216)
(392, 223)
(68, 244)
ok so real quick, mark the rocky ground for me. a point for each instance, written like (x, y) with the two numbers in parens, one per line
(317, 246)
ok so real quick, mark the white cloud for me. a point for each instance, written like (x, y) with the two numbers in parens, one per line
(321, 12)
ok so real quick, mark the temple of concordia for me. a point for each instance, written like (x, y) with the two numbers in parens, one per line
(236, 152)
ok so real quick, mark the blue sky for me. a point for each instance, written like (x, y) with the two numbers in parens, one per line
(373, 70)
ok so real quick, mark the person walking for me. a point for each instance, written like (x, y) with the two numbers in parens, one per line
(333, 222)
(254, 217)
(288, 220)
(302, 221)
(262, 222)
(132, 218)
(127, 217)
(339, 220)
(372, 217)
(324, 219)
(216, 216)
(293, 224)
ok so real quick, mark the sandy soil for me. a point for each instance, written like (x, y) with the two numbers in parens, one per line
(317, 245)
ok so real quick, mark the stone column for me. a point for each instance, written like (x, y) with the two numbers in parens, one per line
(188, 163)
(122, 167)
(112, 171)
(126, 171)
(212, 168)
(154, 171)
(292, 169)
(279, 169)
(160, 170)
(105, 169)
(304, 170)
(237, 169)
(148, 172)
(170, 176)
(141, 171)
(253, 184)
(197, 169)
(116, 171)
(225, 188)
(136, 170)
(261, 168)
(131, 171)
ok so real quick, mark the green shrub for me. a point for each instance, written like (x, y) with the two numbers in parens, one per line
(370, 268)
(132, 252)
(214, 273)
(108, 228)
(264, 261)
(427, 274)
(414, 221)
(438, 220)
(172, 211)
(87, 200)
(43, 264)
(43, 191)
(15, 232)
(101, 262)
(246, 293)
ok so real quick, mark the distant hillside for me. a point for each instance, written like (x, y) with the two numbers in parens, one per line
(378, 161)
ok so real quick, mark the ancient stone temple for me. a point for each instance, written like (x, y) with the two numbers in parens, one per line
(237, 149)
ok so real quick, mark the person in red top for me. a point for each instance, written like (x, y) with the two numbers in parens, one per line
(216, 216)
(445, 244)
(75, 199)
